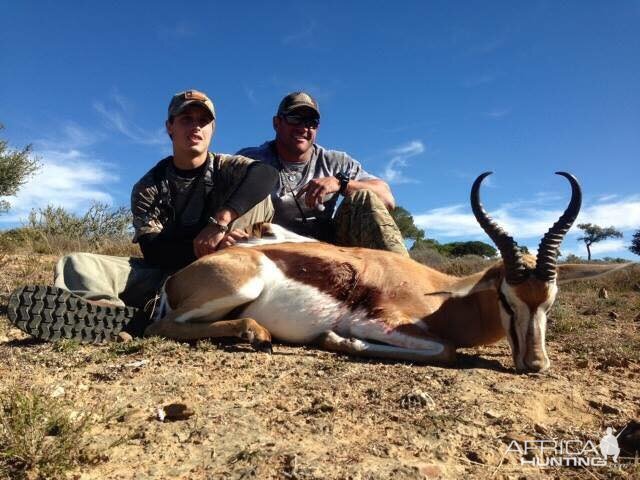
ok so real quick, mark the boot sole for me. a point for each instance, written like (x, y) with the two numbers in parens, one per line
(53, 314)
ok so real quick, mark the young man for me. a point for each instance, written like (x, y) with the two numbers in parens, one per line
(312, 179)
(188, 205)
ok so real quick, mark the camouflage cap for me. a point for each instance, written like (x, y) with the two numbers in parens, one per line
(297, 100)
(182, 100)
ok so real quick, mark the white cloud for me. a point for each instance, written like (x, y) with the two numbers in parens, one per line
(623, 214)
(251, 94)
(399, 156)
(607, 248)
(117, 116)
(527, 221)
(69, 177)
(498, 113)
(452, 221)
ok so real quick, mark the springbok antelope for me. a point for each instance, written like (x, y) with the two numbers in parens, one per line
(374, 303)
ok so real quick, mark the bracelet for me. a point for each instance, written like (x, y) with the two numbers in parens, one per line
(214, 221)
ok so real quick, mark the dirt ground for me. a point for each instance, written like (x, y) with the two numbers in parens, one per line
(302, 413)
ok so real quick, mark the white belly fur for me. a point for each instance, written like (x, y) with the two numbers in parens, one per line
(293, 311)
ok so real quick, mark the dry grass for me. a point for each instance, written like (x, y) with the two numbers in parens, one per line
(458, 266)
(39, 436)
(29, 240)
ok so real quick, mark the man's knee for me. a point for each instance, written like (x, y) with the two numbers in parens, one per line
(364, 201)
(73, 262)
(365, 198)
(260, 213)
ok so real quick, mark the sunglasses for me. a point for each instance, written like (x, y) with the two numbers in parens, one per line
(296, 120)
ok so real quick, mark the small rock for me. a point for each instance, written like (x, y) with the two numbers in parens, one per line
(161, 414)
(136, 364)
(492, 415)
(417, 399)
(430, 470)
(4, 339)
(613, 315)
(57, 392)
(602, 293)
(174, 412)
(541, 429)
(124, 337)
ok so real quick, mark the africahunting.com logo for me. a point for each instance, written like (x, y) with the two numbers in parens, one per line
(568, 453)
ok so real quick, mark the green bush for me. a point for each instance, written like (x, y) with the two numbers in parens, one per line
(54, 230)
(99, 222)
(16, 166)
(429, 256)
(455, 249)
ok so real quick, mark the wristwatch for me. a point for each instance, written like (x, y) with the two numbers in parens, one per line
(344, 179)
(214, 221)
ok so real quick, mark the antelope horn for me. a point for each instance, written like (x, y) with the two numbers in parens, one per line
(550, 244)
(515, 268)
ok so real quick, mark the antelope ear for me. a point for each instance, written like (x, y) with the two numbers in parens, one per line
(569, 272)
(473, 284)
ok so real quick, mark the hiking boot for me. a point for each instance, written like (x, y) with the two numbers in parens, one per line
(51, 313)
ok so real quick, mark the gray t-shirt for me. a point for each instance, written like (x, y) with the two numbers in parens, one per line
(294, 176)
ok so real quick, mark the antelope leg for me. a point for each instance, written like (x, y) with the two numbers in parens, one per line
(243, 328)
(440, 353)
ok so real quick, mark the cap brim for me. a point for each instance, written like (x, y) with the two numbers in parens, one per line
(298, 107)
(188, 103)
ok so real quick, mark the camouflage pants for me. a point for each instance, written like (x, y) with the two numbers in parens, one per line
(128, 280)
(362, 220)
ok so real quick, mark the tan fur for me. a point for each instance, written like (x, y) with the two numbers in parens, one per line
(533, 292)
(213, 276)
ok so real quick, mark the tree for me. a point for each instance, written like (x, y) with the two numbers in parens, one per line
(427, 244)
(594, 233)
(455, 249)
(15, 168)
(459, 249)
(404, 220)
(635, 243)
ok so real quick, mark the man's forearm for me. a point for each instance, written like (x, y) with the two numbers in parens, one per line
(378, 187)
(259, 182)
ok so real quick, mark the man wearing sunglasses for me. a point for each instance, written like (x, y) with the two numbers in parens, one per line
(188, 205)
(313, 179)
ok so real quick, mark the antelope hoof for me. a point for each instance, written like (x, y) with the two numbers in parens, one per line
(263, 346)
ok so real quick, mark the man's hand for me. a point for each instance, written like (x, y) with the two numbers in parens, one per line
(317, 188)
(207, 240)
(232, 238)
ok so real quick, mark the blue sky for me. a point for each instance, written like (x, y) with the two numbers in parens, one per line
(425, 94)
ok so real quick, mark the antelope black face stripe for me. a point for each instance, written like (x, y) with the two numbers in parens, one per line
(512, 323)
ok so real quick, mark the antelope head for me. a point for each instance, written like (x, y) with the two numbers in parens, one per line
(528, 287)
